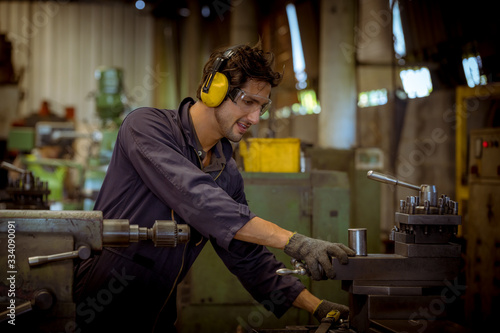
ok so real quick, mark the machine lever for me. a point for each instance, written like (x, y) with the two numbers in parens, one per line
(426, 192)
(20, 308)
(83, 252)
(287, 271)
(390, 180)
(300, 269)
(12, 167)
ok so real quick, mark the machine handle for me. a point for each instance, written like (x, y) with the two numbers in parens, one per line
(287, 271)
(19, 309)
(12, 167)
(83, 252)
(380, 177)
(299, 268)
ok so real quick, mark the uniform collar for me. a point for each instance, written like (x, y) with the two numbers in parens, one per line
(221, 152)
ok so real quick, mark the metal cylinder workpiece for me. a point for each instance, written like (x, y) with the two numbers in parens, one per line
(428, 193)
(357, 240)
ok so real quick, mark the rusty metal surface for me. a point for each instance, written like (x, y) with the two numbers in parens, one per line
(55, 278)
(85, 226)
(50, 214)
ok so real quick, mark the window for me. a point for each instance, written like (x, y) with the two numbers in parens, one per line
(308, 104)
(472, 69)
(397, 31)
(372, 98)
(299, 64)
(416, 82)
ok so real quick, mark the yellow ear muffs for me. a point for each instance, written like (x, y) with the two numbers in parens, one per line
(217, 91)
(216, 86)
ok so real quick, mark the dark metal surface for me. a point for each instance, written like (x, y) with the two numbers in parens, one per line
(426, 234)
(396, 267)
(46, 242)
(387, 290)
(27, 192)
(428, 250)
(416, 326)
(304, 329)
(404, 307)
(428, 219)
(55, 278)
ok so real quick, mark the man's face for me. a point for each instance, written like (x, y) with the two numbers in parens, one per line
(235, 120)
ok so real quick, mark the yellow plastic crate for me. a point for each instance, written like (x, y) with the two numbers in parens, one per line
(271, 155)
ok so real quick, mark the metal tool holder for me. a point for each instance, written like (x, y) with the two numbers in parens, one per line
(394, 292)
(27, 192)
(425, 224)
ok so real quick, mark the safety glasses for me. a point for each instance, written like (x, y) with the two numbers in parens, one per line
(248, 103)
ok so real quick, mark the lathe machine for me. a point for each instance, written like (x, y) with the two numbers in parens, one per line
(410, 290)
(37, 253)
(413, 289)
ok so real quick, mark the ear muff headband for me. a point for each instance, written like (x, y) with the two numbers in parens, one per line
(216, 87)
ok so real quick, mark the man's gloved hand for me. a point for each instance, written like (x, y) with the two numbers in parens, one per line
(316, 252)
(325, 307)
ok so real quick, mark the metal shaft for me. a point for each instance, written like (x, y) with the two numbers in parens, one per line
(390, 180)
(12, 167)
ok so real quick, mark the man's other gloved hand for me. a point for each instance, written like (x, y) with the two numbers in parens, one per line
(325, 307)
(316, 252)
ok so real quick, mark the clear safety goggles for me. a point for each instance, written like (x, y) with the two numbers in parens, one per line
(248, 103)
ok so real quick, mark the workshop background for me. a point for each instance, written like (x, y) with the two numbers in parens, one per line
(407, 88)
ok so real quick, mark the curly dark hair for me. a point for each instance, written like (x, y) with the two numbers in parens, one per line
(246, 63)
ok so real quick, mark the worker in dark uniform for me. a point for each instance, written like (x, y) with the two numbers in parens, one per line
(177, 164)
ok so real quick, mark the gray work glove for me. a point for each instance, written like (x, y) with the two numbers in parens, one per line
(325, 307)
(317, 254)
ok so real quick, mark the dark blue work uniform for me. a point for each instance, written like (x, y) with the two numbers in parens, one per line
(156, 173)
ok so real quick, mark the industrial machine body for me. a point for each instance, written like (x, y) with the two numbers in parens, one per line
(413, 288)
(42, 246)
(409, 289)
(482, 233)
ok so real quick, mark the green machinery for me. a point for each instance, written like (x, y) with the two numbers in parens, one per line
(316, 204)
(110, 100)
(110, 107)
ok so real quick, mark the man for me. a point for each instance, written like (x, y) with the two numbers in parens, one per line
(178, 164)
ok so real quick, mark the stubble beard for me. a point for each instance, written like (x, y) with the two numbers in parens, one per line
(226, 126)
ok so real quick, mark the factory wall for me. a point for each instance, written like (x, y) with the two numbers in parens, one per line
(58, 45)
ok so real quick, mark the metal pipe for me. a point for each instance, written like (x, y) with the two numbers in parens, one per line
(390, 180)
(12, 167)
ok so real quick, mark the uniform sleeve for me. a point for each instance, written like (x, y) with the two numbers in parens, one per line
(154, 145)
(255, 266)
